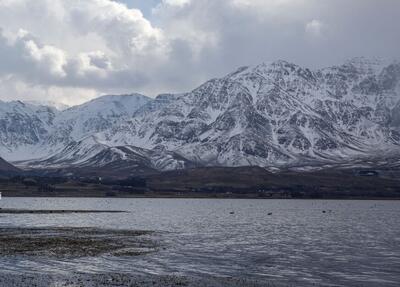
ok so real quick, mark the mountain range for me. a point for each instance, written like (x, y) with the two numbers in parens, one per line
(275, 115)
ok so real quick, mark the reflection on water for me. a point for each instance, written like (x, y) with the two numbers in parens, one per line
(354, 243)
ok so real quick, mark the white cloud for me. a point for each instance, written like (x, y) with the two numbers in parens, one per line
(14, 89)
(314, 28)
(47, 58)
(124, 30)
(125, 43)
(178, 3)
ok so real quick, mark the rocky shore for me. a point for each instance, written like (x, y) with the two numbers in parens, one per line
(114, 280)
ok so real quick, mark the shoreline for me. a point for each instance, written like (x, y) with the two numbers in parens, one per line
(188, 196)
(124, 279)
(212, 182)
(53, 211)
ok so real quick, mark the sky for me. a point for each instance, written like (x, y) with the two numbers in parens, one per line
(70, 51)
(145, 6)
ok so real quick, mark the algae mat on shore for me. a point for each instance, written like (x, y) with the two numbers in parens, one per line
(74, 242)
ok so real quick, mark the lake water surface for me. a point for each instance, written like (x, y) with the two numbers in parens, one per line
(354, 243)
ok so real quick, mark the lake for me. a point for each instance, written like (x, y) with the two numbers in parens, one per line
(301, 242)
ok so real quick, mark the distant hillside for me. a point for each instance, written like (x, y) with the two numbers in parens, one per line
(7, 167)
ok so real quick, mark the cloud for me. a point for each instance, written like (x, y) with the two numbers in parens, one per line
(102, 46)
(12, 89)
(24, 56)
(46, 59)
(314, 28)
(125, 41)
(178, 3)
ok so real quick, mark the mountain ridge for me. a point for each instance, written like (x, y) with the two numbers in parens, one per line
(271, 115)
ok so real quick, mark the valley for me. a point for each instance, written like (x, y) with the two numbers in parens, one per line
(217, 182)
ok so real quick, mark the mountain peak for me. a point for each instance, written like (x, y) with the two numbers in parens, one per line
(56, 105)
(368, 65)
(123, 99)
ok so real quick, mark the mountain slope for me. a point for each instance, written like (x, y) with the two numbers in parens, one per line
(95, 156)
(95, 116)
(277, 114)
(6, 167)
(29, 131)
(23, 128)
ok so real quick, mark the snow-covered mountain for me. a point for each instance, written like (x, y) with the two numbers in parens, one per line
(271, 115)
(93, 117)
(29, 131)
(278, 114)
